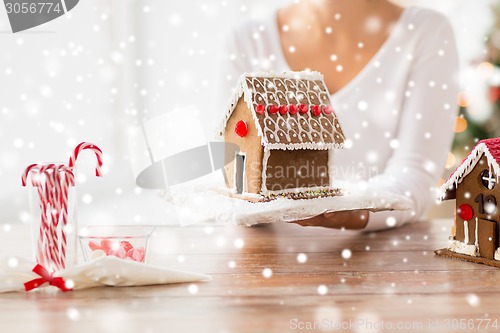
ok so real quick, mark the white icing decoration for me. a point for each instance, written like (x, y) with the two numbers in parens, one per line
(290, 81)
(246, 88)
(297, 190)
(265, 158)
(462, 248)
(497, 254)
(466, 232)
(476, 242)
(468, 165)
(490, 179)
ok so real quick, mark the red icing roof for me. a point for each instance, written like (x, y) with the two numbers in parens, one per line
(493, 146)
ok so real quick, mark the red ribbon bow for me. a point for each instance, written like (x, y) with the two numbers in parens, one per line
(45, 277)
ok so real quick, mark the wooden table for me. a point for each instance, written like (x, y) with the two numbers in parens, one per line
(392, 278)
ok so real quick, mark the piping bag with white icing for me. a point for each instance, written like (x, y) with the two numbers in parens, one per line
(104, 271)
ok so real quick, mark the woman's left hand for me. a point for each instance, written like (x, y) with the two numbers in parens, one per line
(348, 219)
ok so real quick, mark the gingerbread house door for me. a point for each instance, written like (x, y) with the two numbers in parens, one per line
(486, 235)
(239, 172)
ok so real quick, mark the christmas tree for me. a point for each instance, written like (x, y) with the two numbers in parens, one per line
(482, 120)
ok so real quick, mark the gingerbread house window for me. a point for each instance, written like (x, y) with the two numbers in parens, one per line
(488, 179)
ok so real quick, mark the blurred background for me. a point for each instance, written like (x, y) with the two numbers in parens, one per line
(108, 65)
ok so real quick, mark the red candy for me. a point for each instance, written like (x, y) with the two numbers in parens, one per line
(259, 108)
(109, 245)
(293, 109)
(283, 109)
(303, 108)
(122, 250)
(327, 109)
(465, 212)
(273, 109)
(126, 245)
(119, 252)
(136, 254)
(316, 110)
(94, 245)
(241, 128)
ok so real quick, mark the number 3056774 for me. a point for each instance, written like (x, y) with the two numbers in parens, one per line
(32, 7)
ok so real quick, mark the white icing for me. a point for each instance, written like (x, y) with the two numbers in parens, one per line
(313, 132)
(466, 232)
(462, 248)
(468, 165)
(299, 189)
(265, 158)
(476, 241)
(497, 254)
(490, 179)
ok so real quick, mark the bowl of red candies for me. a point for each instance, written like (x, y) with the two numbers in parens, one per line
(126, 242)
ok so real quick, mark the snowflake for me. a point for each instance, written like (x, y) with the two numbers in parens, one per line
(302, 258)
(346, 253)
(322, 289)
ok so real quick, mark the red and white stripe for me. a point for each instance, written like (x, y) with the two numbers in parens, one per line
(83, 146)
(52, 182)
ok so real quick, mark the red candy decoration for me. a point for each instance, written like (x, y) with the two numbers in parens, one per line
(316, 110)
(94, 245)
(293, 109)
(303, 108)
(273, 109)
(119, 249)
(136, 254)
(283, 109)
(241, 128)
(259, 108)
(327, 109)
(126, 245)
(465, 212)
(109, 245)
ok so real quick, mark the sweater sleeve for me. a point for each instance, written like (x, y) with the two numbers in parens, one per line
(425, 130)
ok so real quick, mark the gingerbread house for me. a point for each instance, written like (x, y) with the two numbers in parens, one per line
(286, 129)
(474, 185)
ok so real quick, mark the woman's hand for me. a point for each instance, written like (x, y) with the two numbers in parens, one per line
(348, 219)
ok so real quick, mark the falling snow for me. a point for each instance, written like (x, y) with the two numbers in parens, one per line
(302, 258)
(267, 273)
(322, 289)
(346, 254)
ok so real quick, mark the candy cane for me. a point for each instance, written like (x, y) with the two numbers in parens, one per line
(26, 172)
(67, 180)
(51, 202)
(43, 251)
(97, 151)
(55, 194)
(59, 201)
(52, 183)
(40, 257)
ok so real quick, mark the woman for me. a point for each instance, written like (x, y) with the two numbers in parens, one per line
(392, 73)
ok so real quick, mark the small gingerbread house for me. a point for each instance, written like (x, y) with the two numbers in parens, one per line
(285, 127)
(474, 186)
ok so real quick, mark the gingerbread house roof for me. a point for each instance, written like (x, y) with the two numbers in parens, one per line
(291, 110)
(490, 148)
